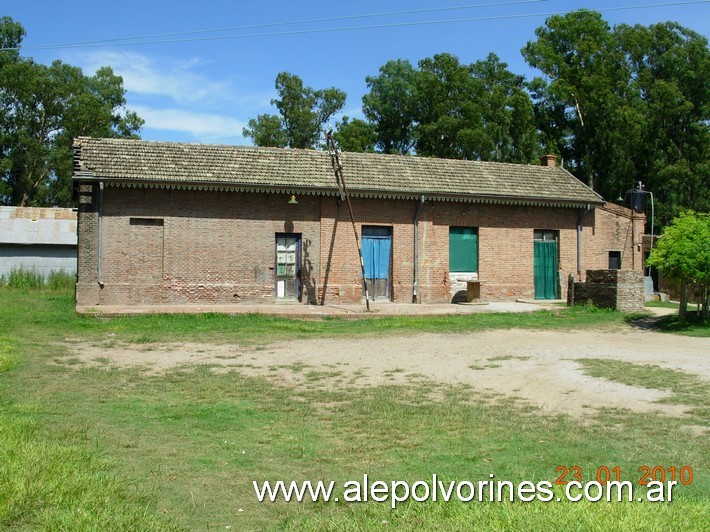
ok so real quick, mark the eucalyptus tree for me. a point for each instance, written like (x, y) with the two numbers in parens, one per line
(480, 111)
(626, 104)
(390, 105)
(303, 113)
(42, 109)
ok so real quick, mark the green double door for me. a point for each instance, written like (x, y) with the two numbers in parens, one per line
(546, 261)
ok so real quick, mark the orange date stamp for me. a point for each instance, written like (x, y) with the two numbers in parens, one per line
(646, 474)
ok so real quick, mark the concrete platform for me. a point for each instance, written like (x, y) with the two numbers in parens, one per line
(297, 310)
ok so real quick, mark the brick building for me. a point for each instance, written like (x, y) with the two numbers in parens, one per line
(167, 223)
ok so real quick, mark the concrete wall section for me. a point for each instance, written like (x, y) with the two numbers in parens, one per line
(40, 239)
(43, 259)
(35, 225)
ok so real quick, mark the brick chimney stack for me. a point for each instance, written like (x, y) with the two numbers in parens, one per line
(548, 160)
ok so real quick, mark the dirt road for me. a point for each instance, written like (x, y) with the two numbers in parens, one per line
(538, 367)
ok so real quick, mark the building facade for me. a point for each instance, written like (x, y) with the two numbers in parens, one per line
(163, 223)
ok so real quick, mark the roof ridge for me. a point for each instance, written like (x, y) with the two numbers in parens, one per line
(240, 147)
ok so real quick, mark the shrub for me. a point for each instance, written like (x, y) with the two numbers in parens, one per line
(25, 279)
(31, 279)
(60, 280)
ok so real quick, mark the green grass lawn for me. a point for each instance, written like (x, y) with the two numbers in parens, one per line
(87, 448)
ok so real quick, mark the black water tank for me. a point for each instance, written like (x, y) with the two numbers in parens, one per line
(636, 199)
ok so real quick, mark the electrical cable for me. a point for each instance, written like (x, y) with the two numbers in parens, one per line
(297, 22)
(351, 28)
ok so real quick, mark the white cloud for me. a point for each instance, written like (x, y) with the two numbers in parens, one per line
(147, 76)
(177, 98)
(201, 126)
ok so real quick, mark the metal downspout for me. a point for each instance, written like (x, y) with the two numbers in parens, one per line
(420, 206)
(100, 209)
(581, 218)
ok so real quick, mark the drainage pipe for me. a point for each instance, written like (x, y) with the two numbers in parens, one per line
(581, 218)
(415, 283)
(98, 247)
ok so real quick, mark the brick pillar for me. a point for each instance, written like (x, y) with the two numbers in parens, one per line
(87, 288)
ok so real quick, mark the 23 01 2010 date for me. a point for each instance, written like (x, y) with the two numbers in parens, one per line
(604, 474)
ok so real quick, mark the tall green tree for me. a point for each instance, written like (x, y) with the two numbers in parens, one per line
(448, 120)
(670, 68)
(303, 112)
(626, 104)
(508, 119)
(267, 130)
(42, 109)
(355, 135)
(480, 111)
(574, 53)
(390, 106)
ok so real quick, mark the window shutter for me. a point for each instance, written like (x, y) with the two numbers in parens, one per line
(463, 249)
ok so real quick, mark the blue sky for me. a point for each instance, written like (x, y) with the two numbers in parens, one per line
(206, 90)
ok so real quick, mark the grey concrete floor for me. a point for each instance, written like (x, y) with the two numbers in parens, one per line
(319, 311)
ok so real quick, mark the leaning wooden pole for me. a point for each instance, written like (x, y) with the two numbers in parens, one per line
(338, 170)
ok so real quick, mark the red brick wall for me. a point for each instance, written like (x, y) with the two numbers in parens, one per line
(340, 266)
(505, 243)
(613, 228)
(87, 288)
(212, 247)
(218, 247)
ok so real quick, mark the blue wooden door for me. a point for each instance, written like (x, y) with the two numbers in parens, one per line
(376, 254)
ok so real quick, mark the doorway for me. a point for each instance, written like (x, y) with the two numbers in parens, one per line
(376, 254)
(288, 267)
(546, 263)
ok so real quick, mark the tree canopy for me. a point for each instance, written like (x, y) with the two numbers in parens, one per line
(355, 135)
(617, 105)
(303, 112)
(626, 104)
(42, 109)
(445, 108)
(390, 105)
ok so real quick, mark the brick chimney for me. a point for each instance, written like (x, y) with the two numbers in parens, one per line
(548, 160)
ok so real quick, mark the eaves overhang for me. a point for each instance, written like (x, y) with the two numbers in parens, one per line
(320, 191)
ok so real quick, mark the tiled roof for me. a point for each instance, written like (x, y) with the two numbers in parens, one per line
(147, 163)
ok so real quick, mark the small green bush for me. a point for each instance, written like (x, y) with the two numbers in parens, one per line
(25, 279)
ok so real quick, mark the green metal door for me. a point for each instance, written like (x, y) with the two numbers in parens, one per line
(545, 266)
